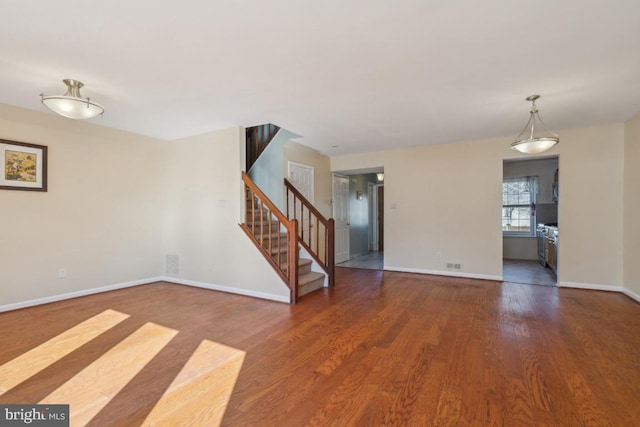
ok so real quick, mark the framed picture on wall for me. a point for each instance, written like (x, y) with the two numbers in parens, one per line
(24, 166)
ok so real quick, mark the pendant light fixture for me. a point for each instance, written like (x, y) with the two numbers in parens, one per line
(72, 105)
(535, 138)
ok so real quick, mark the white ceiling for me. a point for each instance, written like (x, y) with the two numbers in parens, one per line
(361, 74)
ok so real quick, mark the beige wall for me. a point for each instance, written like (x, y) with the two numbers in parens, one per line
(118, 203)
(202, 213)
(632, 205)
(590, 206)
(442, 205)
(100, 219)
(447, 201)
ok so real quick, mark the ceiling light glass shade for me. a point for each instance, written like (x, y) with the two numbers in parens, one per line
(535, 138)
(380, 176)
(72, 105)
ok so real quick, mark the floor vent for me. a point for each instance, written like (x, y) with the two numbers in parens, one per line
(454, 266)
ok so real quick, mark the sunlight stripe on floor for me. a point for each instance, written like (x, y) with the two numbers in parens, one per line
(199, 394)
(92, 388)
(33, 361)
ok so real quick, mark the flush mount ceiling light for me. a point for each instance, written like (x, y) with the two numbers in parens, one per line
(72, 104)
(535, 138)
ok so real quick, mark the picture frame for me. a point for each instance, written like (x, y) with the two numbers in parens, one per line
(23, 166)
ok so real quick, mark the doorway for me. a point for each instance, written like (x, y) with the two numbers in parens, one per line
(340, 185)
(365, 220)
(530, 221)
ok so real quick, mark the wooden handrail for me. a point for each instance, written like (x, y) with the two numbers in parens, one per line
(326, 260)
(260, 206)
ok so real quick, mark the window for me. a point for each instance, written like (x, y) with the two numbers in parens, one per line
(518, 206)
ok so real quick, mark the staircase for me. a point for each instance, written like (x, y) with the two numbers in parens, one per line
(279, 237)
(276, 237)
(274, 242)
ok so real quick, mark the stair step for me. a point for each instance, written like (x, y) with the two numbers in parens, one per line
(258, 214)
(263, 224)
(309, 277)
(256, 209)
(273, 235)
(265, 219)
(275, 250)
(310, 282)
(304, 266)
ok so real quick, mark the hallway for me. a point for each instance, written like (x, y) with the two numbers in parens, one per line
(528, 272)
(374, 260)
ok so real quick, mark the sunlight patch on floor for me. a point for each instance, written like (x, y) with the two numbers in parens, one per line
(92, 388)
(199, 394)
(35, 360)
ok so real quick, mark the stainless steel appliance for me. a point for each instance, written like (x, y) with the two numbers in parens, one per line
(541, 232)
(553, 238)
(547, 235)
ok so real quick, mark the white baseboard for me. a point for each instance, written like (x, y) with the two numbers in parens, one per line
(590, 286)
(631, 294)
(443, 273)
(279, 298)
(69, 295)
(227, 289)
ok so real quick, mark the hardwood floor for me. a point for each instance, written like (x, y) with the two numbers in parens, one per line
(381, 348)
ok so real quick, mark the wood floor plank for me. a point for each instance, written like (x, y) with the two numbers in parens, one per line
(92, 388)
(380, 348)
(35, 360)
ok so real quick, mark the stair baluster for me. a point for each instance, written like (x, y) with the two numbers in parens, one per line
(321, 248)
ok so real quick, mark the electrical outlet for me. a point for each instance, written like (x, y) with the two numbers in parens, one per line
(62, 273)
(439, 254)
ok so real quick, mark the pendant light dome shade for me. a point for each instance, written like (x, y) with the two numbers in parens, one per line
(72, 105)
(535, 138)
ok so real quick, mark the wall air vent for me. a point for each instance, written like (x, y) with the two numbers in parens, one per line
(173, 265)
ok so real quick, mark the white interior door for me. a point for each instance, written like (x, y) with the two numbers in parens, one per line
(341, 217)
(301, 176)
(373, 217)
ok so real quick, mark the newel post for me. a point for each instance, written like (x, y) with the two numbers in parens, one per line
(292, 253)
(331, 248)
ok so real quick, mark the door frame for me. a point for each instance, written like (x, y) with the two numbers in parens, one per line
(333, 207)
(373, 215)
(374, 218)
